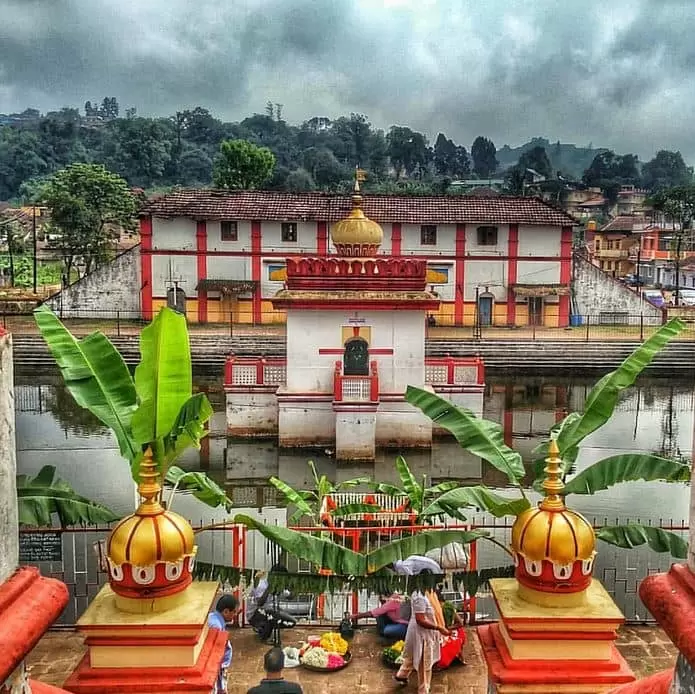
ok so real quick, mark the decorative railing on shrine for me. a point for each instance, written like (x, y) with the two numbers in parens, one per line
(355, 388)
(393, 510)
(404, 274)
(255, 371)
(449, 371)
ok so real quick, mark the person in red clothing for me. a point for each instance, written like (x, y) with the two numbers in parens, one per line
(390, 620)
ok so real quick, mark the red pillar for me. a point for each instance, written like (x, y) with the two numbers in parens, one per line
(321, 238)
(201, 237)
(256, 270)
(565, 275)
(146, 267)
(396, 238)
(459, 289)
(513, 257)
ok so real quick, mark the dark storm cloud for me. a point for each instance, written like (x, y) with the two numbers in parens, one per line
(620, 74)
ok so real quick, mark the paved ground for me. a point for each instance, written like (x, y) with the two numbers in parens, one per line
(647, 650)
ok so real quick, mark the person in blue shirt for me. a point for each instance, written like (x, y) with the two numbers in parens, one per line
(226, 610)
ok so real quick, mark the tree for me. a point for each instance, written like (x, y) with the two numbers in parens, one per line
(407, 150)
(242, 165)
(609, 172)
(156, 410)
(536, 159)
(444, 155)
(299, 180)
(88, 206)
(484, 157)
(666, 170)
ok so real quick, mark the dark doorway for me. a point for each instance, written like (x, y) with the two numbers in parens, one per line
(485, 304)
(356, 357)
(535, 310)
(176, 299)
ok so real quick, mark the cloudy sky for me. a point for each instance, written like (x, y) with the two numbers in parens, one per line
(617, 73)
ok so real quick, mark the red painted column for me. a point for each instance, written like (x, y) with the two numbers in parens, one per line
(321, 238)
(146, 267)
(201, 238)
(513, 256)
(459, 288)
(396, 238)
(256, 270)
(565, 274)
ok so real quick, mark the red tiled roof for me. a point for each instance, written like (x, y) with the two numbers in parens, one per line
(621, 223)
(281, 206)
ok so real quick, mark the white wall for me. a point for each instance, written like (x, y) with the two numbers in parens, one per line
(271, 238)
(269, 287)
(176, 234)
(485, 273)
(537, 272)
(9, 549)
(231, 267)
(308, 331)
(411, 236)
(446, 291)
(184, 268)
(539, 240)
(215, 242)
(472, 247)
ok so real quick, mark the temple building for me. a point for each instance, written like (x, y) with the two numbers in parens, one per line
(502, 260)
(356, 324)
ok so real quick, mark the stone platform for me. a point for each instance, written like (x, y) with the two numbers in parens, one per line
(646, 649)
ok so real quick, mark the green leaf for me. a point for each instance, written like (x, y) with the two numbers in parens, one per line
(626, 467)
(322, 553)
(189, 427)
(389, 489)
(352, 509)
(294, 498)
(200, 485)
(633, 535)
(441, 488)
(418, 544)
(603, 398)
(163, 379)
(479, 436)
(411, 487)
(96, 376)
(477, 497)
(38, 499)
(354, 482)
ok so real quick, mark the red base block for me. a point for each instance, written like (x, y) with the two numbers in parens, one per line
(656, 684)
(670, 597)
(198, 679)
(503, 670)
(29, 604)
(41, 688)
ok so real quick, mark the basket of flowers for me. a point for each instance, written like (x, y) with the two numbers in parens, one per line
(393, 655)
(329, 655)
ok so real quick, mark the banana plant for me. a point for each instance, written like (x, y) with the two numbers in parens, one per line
(310, 503)
(154, 409)
(41, 498)
(485, 439)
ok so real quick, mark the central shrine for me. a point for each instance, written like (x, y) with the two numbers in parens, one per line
(356, 328)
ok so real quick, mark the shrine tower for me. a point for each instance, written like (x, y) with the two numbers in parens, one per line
(356, 327)
(558, 624)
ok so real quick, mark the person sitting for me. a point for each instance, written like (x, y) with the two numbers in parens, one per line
(260, 614)
(226, 610)
(274, 682)
(390, 620)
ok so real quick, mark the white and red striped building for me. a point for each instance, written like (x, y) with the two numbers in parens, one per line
(227, 251)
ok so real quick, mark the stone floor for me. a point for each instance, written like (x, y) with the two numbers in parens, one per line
(647, 650)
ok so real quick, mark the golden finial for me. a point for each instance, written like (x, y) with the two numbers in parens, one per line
(553, 484)
(149, 486)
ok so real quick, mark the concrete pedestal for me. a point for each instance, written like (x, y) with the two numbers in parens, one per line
(355, 431)
(129, 653)
(553, 649)
(252, 414)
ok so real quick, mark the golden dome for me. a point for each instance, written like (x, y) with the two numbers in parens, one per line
(357, 235)
(152, 534)
(551, 532)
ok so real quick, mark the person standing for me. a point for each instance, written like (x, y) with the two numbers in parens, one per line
(422, 643)
(274, 682)
(226, 610)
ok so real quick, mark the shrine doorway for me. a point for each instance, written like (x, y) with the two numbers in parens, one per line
(356, 357)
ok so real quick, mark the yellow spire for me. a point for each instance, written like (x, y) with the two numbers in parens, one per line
(149, 487)
(553, 484)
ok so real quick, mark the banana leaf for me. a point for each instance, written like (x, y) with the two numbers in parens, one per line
(626, 467)
(200, 485)
(163, 380)
(39, 498)
(411, 487)
(479, 436)
(603, 398)
(189, 428)
(418, 544)
(634, 535)
(96, 376)
(389, 489)
(477, 497)
(320, 552)
(296, 499)
(354, 509)
(354, 482)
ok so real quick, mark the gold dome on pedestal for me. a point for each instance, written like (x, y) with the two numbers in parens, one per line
(357, 235)
(151, 553)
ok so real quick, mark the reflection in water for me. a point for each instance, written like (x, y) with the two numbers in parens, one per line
(656, 417)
